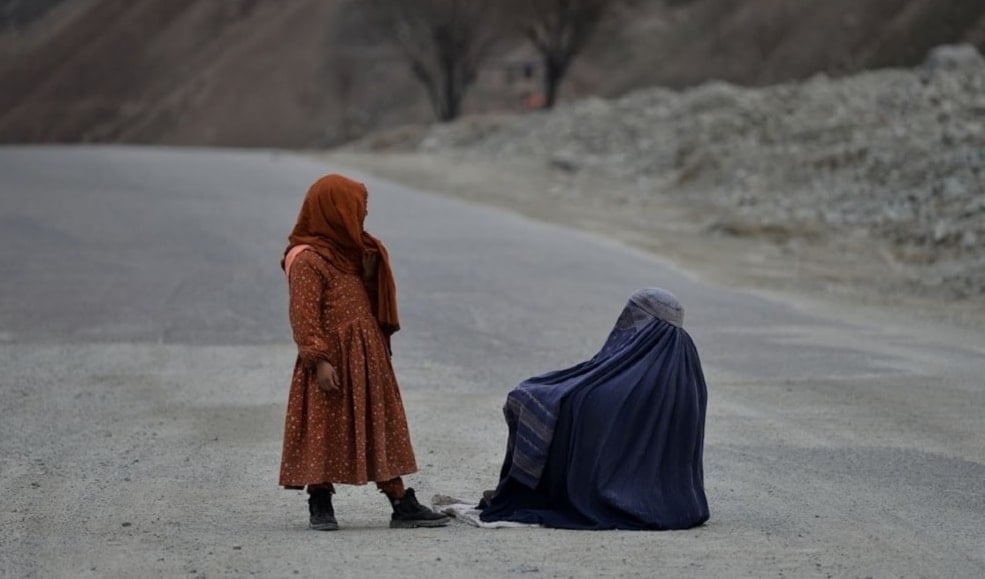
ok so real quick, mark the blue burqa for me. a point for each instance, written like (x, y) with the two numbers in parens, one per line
(615, 442)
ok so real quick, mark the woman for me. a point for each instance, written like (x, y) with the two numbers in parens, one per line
(615, 442)
(345, 419)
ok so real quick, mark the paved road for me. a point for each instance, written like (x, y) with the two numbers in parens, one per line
(145, 358)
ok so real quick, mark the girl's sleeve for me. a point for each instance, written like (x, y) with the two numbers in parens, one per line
(307, 288)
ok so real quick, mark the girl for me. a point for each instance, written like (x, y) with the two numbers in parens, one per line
(345, 419)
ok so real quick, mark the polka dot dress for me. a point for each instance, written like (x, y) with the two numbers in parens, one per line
(359, 433)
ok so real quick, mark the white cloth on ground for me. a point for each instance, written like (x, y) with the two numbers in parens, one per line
(468, 513)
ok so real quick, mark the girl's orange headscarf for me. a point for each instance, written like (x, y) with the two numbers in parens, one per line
(331, 223)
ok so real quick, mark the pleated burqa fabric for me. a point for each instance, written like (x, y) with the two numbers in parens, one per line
(615, 442)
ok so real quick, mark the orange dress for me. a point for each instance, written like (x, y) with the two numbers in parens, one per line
(358, 434)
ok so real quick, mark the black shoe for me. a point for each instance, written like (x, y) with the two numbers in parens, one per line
(409, 514)
(322, 513)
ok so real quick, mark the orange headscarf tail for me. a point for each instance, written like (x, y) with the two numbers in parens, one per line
(386, 289)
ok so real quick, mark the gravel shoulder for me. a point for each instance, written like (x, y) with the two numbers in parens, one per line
(158, 461)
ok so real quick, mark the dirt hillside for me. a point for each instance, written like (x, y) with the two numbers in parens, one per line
(883, 169)
(266, 72)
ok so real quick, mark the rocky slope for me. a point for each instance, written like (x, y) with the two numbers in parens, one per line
(894, 158)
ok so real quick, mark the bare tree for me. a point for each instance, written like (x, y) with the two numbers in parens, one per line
(345, 69)
(444, 41)
(559, 30)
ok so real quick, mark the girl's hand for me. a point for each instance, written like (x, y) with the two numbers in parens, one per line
(328, 378)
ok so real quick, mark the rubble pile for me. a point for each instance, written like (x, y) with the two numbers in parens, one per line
(896, 156)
